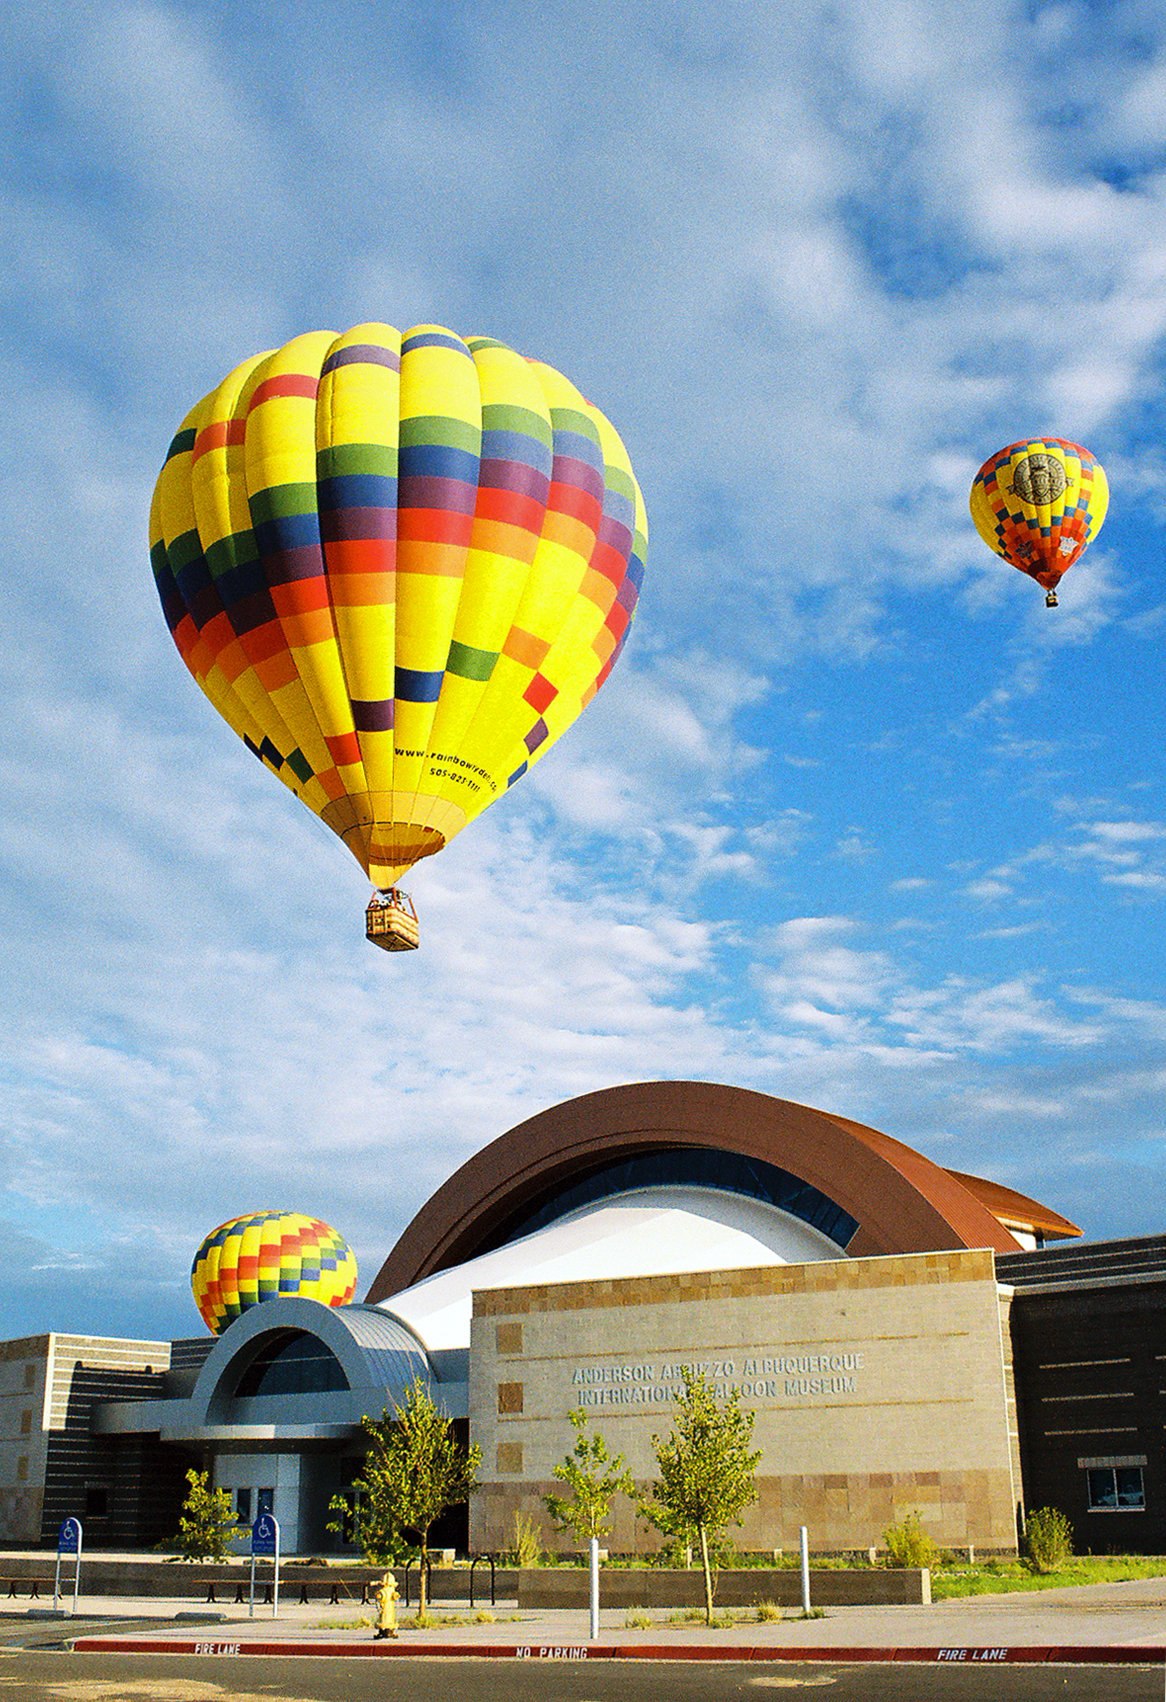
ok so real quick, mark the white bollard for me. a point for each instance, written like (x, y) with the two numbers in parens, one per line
(594, 1588)
(805, 1571)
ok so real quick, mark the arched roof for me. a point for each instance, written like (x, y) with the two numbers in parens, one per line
(901, 1201)
(1017, 1211)
(375, 1350)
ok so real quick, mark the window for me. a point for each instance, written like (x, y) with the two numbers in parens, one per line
(96, 1501)
(1116, 1489)
(243, 1506)
(697, 1167)
(264, 1502)
(292, 1363)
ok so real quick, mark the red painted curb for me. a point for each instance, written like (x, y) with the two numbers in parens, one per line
(1068, 1654)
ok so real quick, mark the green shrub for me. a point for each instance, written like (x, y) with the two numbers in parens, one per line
(1048, 1539)
(690, 1615)
(676, 1552)
(908, 1544)
(525, 1550)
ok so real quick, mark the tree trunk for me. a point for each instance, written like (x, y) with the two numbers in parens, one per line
(708, 1577)
(422, 1598)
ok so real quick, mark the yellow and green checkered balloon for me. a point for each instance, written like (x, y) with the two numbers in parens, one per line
(399, 564)
(266, 1256)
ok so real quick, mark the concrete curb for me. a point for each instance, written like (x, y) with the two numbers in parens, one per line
(1075, 1654)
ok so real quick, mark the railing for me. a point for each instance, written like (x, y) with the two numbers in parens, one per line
(409, 1565)
(491, 1561)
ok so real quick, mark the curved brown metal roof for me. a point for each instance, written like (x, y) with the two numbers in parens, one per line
(1017, 1209)
(902, 1202)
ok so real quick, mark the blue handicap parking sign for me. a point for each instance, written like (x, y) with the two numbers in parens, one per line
(264, 1534)
(69, 1539)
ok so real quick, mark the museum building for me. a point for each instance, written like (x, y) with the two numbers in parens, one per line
(905, 1334)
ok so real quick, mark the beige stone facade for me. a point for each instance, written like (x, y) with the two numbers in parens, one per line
(880, 1386)
(39, 1382)
(23, 1436)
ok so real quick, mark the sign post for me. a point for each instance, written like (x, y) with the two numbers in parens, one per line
(68, 1542)
(265, 1541)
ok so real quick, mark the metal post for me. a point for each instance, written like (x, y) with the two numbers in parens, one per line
(805, 1570)
(265, 1540)
(594, 1588)
(68, 1542)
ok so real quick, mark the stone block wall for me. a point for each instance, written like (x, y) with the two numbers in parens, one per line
(880, 1387)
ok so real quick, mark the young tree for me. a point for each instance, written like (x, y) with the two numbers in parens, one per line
(706, 1470)
(412, 1472)
(592, 1477)
(206, 1517)
(1048, 1539)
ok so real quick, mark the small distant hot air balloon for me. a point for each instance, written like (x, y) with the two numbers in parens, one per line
(399, 565)
(268, 1255)
(1037, 504)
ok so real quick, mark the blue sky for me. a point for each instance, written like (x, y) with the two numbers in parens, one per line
(856, 822)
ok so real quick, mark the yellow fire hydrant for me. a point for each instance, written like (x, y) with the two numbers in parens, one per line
(387, 1607)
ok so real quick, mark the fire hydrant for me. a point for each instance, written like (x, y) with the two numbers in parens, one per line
(387, 1606)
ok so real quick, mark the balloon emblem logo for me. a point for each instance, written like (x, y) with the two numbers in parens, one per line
(1039, 480)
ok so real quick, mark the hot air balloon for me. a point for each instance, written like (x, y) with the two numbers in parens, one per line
(399, 564)
(265, 1256)
(1037, 504)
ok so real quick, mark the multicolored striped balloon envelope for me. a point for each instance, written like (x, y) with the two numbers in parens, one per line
(399, 565)
(265, 1256)
(1037, 504)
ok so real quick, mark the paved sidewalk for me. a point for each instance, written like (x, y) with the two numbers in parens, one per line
(1099, 1622)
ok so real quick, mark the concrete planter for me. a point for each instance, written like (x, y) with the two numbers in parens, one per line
(652, 1587)
(107, 1576)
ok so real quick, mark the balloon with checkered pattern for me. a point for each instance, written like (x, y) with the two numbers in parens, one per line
(399, 564)
(1037, 504)
(269, 1255)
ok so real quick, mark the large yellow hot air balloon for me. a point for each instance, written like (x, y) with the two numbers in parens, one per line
(269, 1255)
(1037, 504)
(399, 565)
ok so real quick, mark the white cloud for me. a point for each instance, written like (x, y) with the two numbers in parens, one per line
(1126, 832)
(988, 889)
(780, 835)
(990, 1018)
(817, 969)
(866, 998)
(853, 846)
